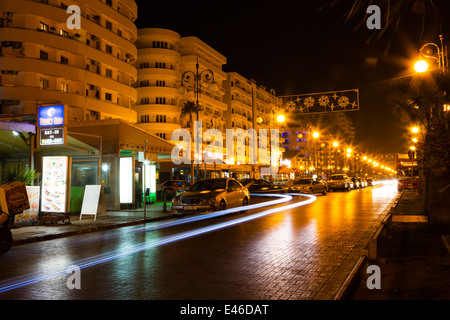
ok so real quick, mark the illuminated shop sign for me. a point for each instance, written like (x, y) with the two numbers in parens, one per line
(51, 136)
(51, 116)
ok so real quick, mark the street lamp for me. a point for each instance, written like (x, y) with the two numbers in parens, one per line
(427, 51)
(196, 80)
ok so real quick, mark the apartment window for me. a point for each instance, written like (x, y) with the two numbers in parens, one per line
(109, 49)
(64, 87)
(64, 60)
(63, 33)
(43, 26)
(43, 55)
(109, 2)
(160, 100)
(43, 83)
(144, 83)
(145, 118)
(144, 65)
(108, 96)
(108, 73)
(160, 83)
(160, 65)
(160, 44)
(145, 100)
(108, 25)
(160, 118)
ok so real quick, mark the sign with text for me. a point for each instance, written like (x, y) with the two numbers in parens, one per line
(50, 116)
(52, 136)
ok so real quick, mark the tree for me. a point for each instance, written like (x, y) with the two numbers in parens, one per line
(188, 108)
(423, 98)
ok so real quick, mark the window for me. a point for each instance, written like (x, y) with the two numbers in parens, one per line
(63, 33)
(108, 25)
(43, 55)
(64, 60)
(144, 65)
(108, 73)
(109, 2)
(145, 118)
(144, 83)
(160, 44)
(160, 118)
(161, 65)
(108, 96)
(64, 87)
(43, 27)
(160, 100)
(145, 100)
(108, 49)
(160, 83)
(43, 83)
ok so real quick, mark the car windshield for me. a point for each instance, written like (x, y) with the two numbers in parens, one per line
(304, 181)
(209, 185)
(337, 177)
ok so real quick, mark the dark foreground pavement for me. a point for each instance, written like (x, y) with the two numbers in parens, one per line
(413, 257)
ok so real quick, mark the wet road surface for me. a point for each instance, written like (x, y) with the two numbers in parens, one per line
(304, 252)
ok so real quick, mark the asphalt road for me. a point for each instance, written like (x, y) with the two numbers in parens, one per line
(301, 253)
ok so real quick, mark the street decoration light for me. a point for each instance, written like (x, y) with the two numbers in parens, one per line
(196, 80)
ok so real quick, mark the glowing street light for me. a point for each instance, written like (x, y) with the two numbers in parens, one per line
(415, 129)
(421, 66)
(316, 134)
(281, 118)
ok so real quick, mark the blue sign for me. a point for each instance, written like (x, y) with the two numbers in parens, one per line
(51, 116)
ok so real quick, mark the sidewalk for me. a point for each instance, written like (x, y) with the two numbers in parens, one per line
(26, 233)
(413, 257)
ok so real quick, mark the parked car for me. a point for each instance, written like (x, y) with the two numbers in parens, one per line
(356, 183)
(211, 195)
(309, 185)
(370, 182)
(340, 182)
(261, 186)
(363, 182)
(172, 188)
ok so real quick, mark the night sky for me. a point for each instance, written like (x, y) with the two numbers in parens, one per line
(298, 47)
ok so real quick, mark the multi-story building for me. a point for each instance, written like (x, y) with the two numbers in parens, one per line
(89, 69)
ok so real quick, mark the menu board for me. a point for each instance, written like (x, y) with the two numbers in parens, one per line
(31, 215)
(54, 184)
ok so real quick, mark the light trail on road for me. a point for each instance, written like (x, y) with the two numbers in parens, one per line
(15, 283)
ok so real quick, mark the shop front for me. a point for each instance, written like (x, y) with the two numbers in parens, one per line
(130, 161)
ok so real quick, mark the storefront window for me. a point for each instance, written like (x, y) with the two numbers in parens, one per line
(84, 173)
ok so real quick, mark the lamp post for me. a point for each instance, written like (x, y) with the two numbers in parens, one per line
(441, 56)
(195, 80)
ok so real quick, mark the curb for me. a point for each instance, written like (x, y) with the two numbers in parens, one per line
(363, 259)
(86, 230)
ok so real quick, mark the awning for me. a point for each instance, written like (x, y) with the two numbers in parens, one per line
(117, 135)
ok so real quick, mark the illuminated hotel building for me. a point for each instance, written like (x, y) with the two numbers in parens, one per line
(163, 58)
(89, 69)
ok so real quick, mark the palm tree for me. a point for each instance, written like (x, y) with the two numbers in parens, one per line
(188, 108)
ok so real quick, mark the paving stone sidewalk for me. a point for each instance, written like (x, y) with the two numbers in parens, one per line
(412, 255)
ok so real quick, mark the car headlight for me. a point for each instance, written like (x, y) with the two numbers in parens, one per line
(176, 200)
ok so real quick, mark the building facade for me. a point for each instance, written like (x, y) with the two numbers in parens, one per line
(89, 69)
